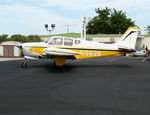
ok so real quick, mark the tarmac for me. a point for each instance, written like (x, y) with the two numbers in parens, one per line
(98, 86)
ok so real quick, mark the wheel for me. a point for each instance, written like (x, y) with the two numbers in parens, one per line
(54, 64)
(24, 65)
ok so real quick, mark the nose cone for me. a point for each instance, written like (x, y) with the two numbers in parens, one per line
(19, 46)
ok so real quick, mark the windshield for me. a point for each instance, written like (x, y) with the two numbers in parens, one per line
(56, 41)
(46, 40)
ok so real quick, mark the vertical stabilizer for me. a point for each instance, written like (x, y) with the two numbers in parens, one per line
(128, 40)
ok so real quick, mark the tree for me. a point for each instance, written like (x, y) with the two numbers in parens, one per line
(33, 38)
(119, 22)
(22, 38)
(148, 29)
(109, 21)
(19, 38)
(99, 24)
(3, 37)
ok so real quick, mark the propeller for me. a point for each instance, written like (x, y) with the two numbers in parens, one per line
(19, 46)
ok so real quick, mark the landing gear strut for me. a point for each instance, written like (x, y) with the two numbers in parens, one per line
(24, 64)
(59, 60)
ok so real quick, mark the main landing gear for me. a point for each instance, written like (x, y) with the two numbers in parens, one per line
(59, 61)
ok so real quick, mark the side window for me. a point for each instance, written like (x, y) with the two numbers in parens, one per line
(56, 41)
(77, 42)
(68, 42)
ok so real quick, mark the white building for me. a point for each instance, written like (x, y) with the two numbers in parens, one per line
(8, 48)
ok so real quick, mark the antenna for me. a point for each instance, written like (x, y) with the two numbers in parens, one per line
(68, 27)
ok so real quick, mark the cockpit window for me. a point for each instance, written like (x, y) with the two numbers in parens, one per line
(77, 42)
(47, 40)
(68, 42)
(56, 41)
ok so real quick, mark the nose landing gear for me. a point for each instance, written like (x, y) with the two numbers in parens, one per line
(24, 64)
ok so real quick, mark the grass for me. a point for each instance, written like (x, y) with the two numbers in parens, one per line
(78, 35)
(147, 36)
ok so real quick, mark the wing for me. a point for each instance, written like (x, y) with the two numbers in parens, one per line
(60, 52)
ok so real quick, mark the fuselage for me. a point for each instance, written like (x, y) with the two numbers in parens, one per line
(85, 49)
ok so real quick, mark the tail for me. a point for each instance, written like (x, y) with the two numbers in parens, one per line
(128, 40)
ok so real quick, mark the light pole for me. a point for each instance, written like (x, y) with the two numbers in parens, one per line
(83, 27)
(52, 26)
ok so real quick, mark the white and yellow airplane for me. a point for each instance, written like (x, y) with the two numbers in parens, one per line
(62, 48)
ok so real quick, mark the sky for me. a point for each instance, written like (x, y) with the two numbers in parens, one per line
(29, 16)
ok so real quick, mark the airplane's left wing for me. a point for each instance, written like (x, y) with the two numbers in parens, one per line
(60, 52)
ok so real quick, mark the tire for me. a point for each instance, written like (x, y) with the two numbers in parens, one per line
(24, 65)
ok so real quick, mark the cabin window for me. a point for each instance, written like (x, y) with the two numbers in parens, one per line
(77, 42)
(68, 42)
(56, 41)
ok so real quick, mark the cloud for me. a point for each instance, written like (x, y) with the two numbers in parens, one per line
(68, 4)
(31, 19)
(29, 16)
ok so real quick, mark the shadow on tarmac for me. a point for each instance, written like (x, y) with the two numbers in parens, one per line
(72, 67)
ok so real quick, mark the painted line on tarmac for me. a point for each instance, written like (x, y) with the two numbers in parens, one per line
(143, 60)
(111, 60)
(10, 59)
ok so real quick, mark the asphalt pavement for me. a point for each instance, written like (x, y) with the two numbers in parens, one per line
(99, 86)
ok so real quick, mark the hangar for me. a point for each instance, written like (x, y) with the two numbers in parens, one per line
(8, 48)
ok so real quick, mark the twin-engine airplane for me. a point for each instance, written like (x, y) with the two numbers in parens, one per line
(62, 48)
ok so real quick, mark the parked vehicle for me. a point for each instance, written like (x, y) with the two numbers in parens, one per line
(140, 52)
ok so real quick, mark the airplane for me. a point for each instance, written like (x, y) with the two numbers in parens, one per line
(62, 48)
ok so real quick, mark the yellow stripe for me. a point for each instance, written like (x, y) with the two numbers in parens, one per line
(93, 53)
(83, 53)
(37, 50)
(129, 29)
